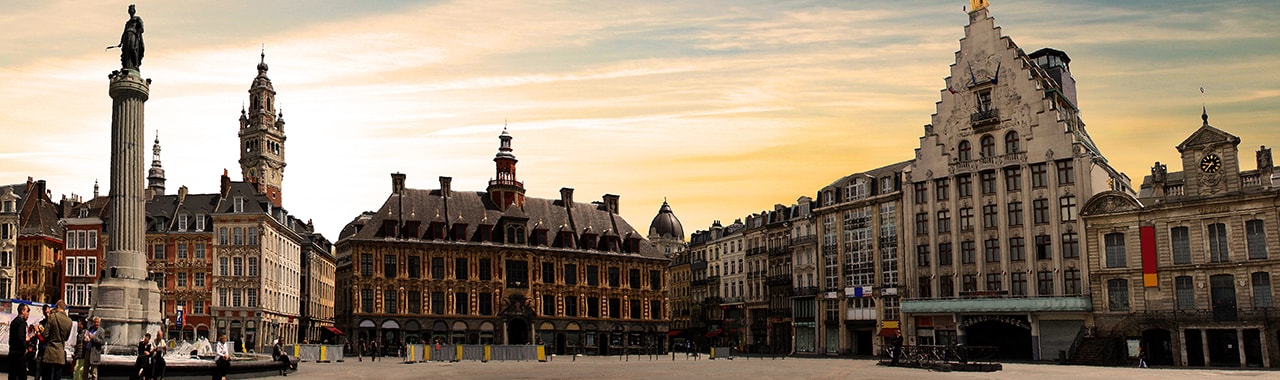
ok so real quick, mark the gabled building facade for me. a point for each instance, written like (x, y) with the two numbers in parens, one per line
(992, 201)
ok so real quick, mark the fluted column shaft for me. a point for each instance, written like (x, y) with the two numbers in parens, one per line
(125, 254)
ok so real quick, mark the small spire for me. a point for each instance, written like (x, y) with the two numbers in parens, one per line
(1204, 115)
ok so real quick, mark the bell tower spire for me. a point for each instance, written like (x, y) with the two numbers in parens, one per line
(504, 189)
(155, 176)
(262, 137)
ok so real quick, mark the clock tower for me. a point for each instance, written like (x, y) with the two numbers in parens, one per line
(262, 138)
(1210, 161)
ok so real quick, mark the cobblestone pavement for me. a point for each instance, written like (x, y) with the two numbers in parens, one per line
(737, 369)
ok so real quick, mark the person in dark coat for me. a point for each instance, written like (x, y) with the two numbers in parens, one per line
(56, 334)
(18, 344)
(143, 362)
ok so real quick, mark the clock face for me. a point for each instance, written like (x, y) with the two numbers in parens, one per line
(1210, 163)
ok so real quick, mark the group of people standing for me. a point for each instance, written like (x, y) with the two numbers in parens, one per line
(40, 349)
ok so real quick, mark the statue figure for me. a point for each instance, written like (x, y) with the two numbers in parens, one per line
(131, 47)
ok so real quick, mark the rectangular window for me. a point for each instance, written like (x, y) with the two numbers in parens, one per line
(182, 280)
(655, 309)
(91, 267)
(615, 308)
(548, 305)
(237, 266)
(1070, 245)
(634, 309)
(1261, 290)
(93, 239)
(548, 273)
(922, 255)
(1018, 283)
(969, 283)
(1067, 208)
(1115, 250)
(486, 270)
(991, 250)
(199, 307)
(222, 266)
(1066, 173)
(944, 221)
(1071, 282)
(1017, 249)
(1117, 294)
(946, 287)
(222, 236)
(1044, 283)
(236, 297)
(966, 218)
(199, 222)
(200, 250)
(1186, 292)
(415, 267)
(437, 268)
(1039, 176)
(967, 253)
(989, 216)
(942, 189)
(1015, 214)
(251, 297)
(158, 251)
(182, 250)
(461, 271)
(1043, 247)
(415, 302)
(237, 236)
(615, 277)
(994, 281)
(1040, 211)
(1180, 239)
(461, 303)
(593, 275)
(253, 267)
(633, 278)
(920, 192)
(922, 224)
(1255, 235)
(366, 265)
(593, 307)
(926, 287)
(200, 280)
(253, 235)
(944, 254)
(389, 266)
(237, 205)
(486, 303)
(437, 303)
(988, 182)
(570, 306)
(222, 297)
(655, 280)
(366, 300)
(570, 274)
(964, 186)
(70, 267)
(1013, 179)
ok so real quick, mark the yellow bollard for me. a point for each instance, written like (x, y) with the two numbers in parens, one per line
(296, 350)
(713, 353)
(426, 354)
(324, 355)
(487, 352)
(459, 352)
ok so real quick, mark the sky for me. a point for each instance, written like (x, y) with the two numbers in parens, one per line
(723, 108)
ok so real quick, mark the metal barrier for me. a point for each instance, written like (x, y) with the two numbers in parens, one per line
(721, 353)
(414, 353)
(421, 353)
(317, 352)
(517, 353)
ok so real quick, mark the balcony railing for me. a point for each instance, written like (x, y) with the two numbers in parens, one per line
(1212, 315)
(780, 279)
(804, 240)
(985, 117)
(806, 291)
(1250, 180)
(780, 251)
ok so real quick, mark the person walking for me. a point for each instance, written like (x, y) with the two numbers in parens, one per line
(376, 355)
(93, 344)
(360, 351)
(1142, 357)
(18, 344)
(56, 334)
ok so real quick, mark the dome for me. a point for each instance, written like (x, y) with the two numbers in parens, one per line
(665, 224)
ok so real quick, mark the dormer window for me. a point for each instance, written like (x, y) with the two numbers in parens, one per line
(8, 206)
(237, 205)
(182, 222)
(199, 222)
(84, 213)
(514, 234)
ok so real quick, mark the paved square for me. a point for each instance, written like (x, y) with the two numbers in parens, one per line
(738, 369)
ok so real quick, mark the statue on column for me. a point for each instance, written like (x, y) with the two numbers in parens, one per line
(131, 47)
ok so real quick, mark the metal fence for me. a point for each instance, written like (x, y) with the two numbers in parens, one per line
(318, 353)
(721, 353)
(420, 353)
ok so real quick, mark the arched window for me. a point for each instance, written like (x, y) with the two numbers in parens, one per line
(988, 146)
(1011, 142)
(963, 149)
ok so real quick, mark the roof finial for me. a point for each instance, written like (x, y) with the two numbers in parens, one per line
(263, 55)
(1204, 110)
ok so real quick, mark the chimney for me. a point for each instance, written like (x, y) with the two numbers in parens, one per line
(446, 186)
(225, 188)
(566, 197)
(182, 194)
(397, 183)
(611, 203)
(41, 191)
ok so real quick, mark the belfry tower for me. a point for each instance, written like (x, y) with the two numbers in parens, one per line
(504, 189)
(262, 137)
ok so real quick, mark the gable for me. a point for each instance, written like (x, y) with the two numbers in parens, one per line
(1207, 135)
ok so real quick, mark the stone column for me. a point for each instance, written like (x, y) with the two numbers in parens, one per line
(128, 304)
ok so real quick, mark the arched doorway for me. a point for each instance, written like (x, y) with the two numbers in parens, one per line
(517, 331)
(1158, 344)
(561, 346)
(1012, 341)
(486, 333)
(459, 333)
